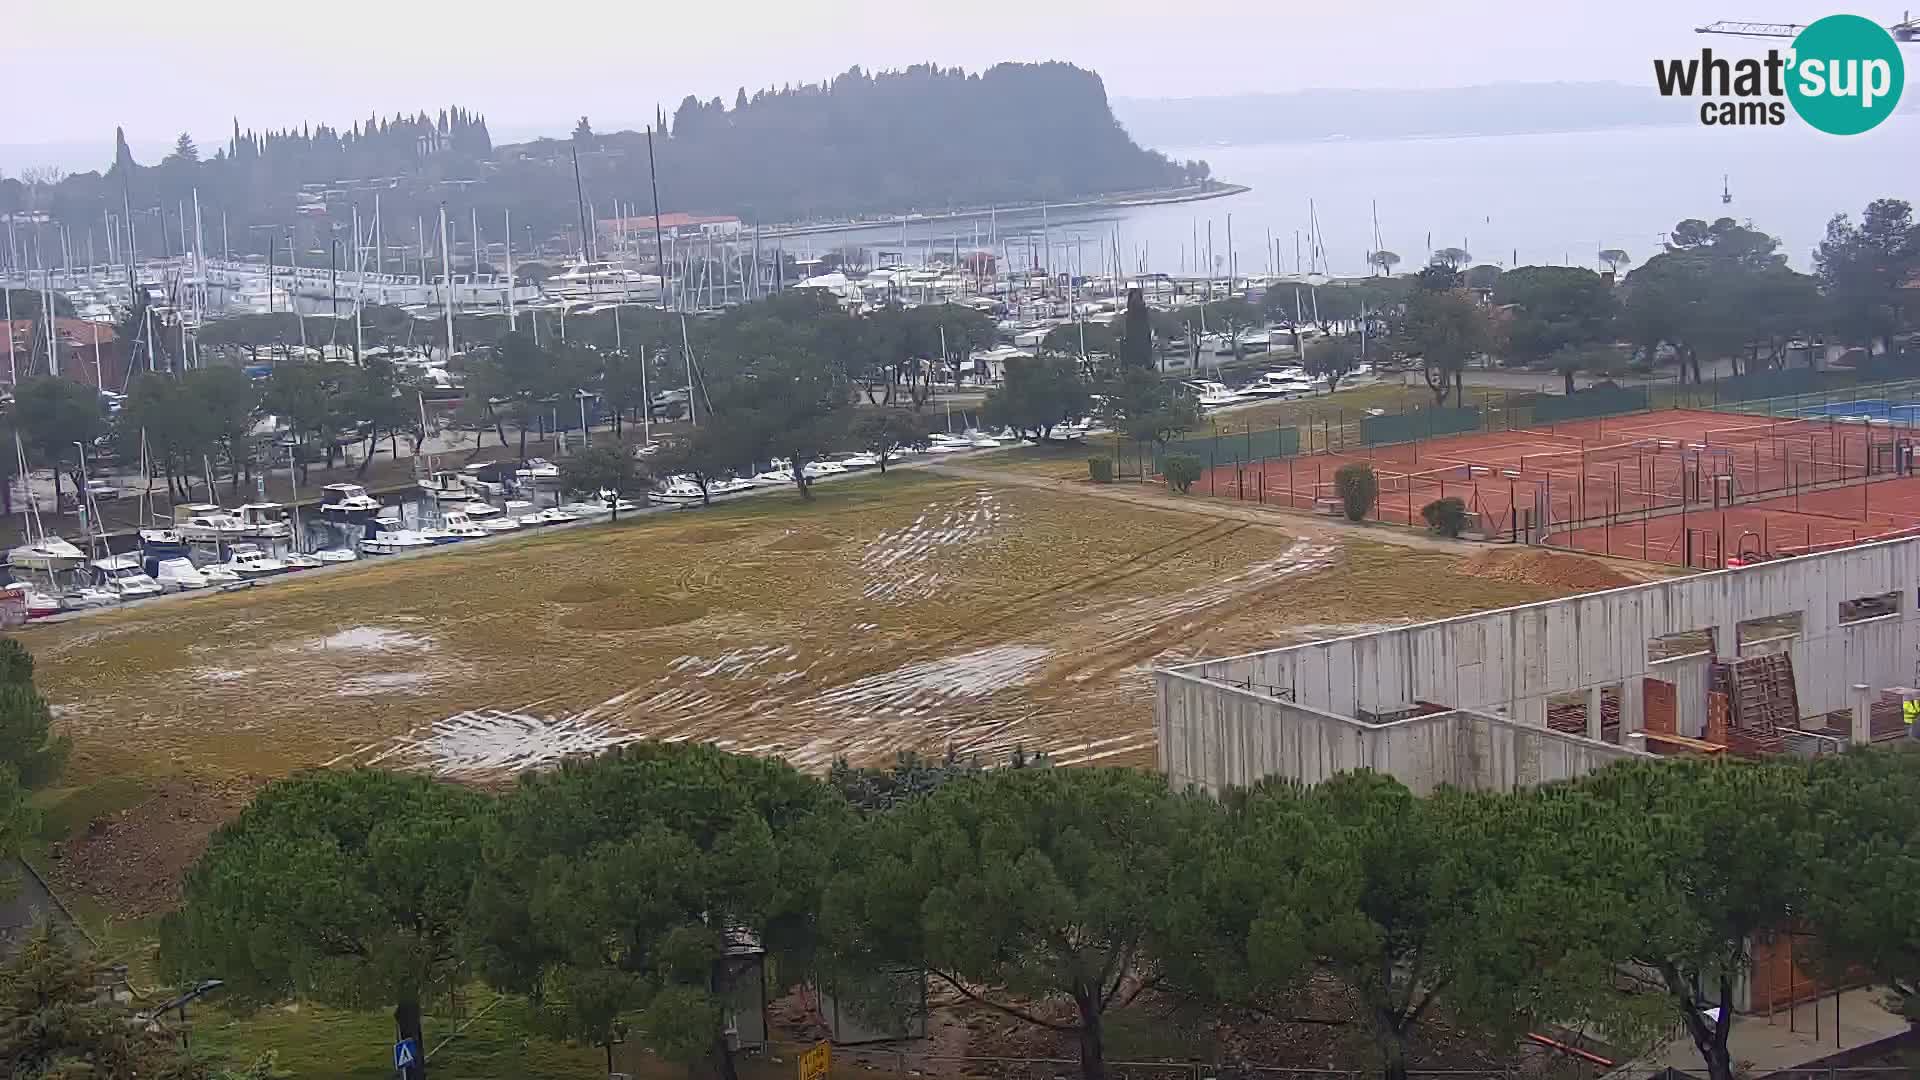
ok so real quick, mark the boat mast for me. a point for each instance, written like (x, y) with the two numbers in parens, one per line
(510, 323)
(359, 286)
(448, 266)
(686, 345)
(659, 245)
(293, 290)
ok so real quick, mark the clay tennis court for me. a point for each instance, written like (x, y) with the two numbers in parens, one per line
(1685, 486)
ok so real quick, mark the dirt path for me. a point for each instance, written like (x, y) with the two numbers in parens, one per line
(1311, 527)
(1307, 527)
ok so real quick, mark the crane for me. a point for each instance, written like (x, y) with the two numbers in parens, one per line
(1906, 30)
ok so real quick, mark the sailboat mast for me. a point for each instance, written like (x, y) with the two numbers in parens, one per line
(659, 245)
(580, 204)
(448, 267)
(686, 345)
(509, 228)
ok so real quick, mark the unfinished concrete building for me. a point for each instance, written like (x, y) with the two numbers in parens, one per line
(1798, 656)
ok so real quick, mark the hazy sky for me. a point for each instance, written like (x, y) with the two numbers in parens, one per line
(159, 68)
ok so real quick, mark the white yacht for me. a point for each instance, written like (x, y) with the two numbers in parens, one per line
(446, 485)
(602, 281)
(538, 471)
(1279, 384)
(250, 562)
(942, 443)
(859, 459)
(391, 537)
(205, 521)
(980, 440)
(264, 521)
(458, 525)
(300, 560)
(347, 500)
(553, 515)
(124, 575)
(334, 556)
(220, 574)
(814, 470)
(49, 554)
(1212, 395)
(175, 575)
(679, 491)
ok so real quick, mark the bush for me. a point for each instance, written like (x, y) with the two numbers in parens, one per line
(1447, 516)
(1100, 470)
(1181, 470)
(1358, 489)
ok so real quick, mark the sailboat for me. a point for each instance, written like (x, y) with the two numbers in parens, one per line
(159, 540)
(42, 552)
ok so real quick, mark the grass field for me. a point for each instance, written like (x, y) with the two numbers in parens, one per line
(906, 611)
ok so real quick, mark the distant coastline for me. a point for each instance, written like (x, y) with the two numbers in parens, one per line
(1444, 112)
(1126, 200)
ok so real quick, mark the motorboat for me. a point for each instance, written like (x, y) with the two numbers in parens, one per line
(612, 500)
(499, 524)
(126, 576)
(733, 485)
(88, 596)
(300, 560)
(459, 526)
(553, 515)
(35, 602)
(205, 522)
(250, 562)
(179, 574)
(1212, 395)
(48, 555)
(347, 501)
(679, 491)
(479, 511)
(538, 471)
(941, 443)
(220, 574)
(814, 470)
(264, 521)
(390, 537)
(980, 440)
(446, 485)
(336, 556)
(857, 460)
(602, 281)
(162, 543)
(1279, 384)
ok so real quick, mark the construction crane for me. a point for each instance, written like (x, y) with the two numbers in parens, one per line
(1906, 30)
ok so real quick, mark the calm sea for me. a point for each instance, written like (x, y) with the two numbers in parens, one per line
(1543, 198)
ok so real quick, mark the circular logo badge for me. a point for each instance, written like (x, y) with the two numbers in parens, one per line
(1847, 74)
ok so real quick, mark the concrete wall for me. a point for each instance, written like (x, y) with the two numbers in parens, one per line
(1215, 736)
(1512, 660)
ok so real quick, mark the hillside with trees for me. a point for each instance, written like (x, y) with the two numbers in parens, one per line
(922, 139)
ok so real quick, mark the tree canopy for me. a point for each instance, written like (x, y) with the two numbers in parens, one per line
(344, 887)
(632, 890)
(1040, 394)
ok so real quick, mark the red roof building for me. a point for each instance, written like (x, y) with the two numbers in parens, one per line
(88, 352)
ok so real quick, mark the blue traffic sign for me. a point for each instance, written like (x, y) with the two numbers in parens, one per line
(405, 1052)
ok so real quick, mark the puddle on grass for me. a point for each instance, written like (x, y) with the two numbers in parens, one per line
(373, 639)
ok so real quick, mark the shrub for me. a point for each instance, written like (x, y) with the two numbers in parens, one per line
(1181, 470)
(1358, 489)
(1447, 516)
(1100, 469)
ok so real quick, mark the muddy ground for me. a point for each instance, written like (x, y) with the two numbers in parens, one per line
(902, 612)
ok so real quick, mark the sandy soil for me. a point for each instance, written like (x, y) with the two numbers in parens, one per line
(904, 612)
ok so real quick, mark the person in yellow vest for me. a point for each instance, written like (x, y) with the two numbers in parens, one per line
(1909, 712)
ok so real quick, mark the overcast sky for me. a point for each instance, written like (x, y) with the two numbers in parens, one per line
(160, 68)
